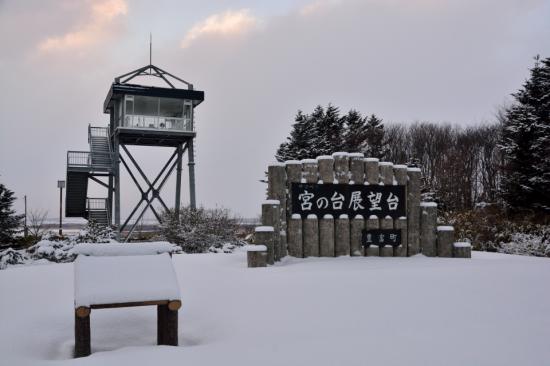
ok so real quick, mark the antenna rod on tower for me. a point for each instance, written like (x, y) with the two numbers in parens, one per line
(150, 49)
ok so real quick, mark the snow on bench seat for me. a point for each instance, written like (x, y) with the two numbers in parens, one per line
(124, 279)
(115, 249)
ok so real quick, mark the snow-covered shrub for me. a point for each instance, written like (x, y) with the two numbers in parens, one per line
(528, 244)
(490, 228)
(59, 251)
(95, 233)
(201, 230)
(12, 257)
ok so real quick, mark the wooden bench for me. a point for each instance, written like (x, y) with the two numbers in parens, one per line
(123, 281)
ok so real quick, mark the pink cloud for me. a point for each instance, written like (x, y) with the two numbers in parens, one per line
(229, 23)
(95, 29)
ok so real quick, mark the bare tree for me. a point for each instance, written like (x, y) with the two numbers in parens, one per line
(460, 166)
(36, 220)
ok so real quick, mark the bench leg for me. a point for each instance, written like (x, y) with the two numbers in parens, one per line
(82, 346)
(167, 326)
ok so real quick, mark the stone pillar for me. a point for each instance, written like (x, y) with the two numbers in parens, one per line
(445, 240)
(400, 175)
(326, 236)
(264, 235)
(401, 251)
(341, 236)
(326, 169)
(357, 225)
(372, 171)
(357, 168)
(295, 247)
(386, 223)
(386, 173)
(341, 167)
(309, 171)
(372, 223)
(413, 211)
(271, 210)
(256, 256)
(293, 175)
(283, 243)
(462, 250)
(311, 236)
(428, 224)
(276, 187)
(372, 251)
(386, 251)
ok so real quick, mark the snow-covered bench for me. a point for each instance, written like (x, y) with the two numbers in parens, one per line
(122, 281)
(116, 249)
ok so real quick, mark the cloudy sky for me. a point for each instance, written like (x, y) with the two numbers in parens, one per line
(258, 62)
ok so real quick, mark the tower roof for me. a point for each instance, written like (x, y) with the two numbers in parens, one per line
(120, 87)
(152, 70)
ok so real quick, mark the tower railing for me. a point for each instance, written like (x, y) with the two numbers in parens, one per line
(158, 122)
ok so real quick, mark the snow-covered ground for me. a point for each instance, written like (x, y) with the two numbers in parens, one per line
(491, 310)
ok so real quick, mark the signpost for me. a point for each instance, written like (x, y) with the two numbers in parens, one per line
(60, 185)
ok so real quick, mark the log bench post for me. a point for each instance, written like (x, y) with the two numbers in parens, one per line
(167, 323)
(82, 339)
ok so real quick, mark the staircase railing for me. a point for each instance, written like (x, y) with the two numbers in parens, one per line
(78, 159)
(96, 204)
(99, 204)
(86, 159)
(97, 132)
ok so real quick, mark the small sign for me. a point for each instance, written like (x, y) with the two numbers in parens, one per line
(381, 237)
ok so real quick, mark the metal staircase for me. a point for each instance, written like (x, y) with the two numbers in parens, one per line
(84, 165)
(100, 148)
(97, 209)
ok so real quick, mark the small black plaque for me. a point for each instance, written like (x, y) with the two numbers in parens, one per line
(381, 237)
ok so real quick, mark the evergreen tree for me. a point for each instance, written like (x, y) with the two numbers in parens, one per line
(355, 136)
(318, 145)
(300, 143)
(330, 130)
(324, 132)
(375, 146)
(9, 221)
(525, 143)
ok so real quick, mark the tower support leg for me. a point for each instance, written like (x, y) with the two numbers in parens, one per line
(191, 165)
(110, 200)
(117, 185)
(178, 180)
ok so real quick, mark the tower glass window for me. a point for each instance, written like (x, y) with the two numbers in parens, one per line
(157, 113)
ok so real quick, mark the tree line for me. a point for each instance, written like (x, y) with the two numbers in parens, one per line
(506, 161)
